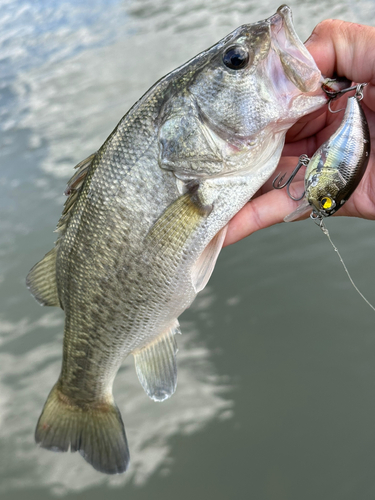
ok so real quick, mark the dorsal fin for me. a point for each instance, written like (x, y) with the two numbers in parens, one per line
(76, 181)
(41, 280)
(73, 188)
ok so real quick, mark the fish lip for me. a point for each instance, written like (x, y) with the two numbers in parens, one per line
(297, 63)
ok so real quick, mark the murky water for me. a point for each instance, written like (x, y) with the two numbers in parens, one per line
(276, 391)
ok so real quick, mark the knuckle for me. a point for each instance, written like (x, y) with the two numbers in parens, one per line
(256, 216)
(327, 26)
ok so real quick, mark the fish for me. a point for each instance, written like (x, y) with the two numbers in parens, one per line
(146, 217)
(337, 167)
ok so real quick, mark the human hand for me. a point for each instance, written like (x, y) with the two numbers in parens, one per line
(346, 49)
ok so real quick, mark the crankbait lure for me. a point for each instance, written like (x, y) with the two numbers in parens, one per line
(335, 169)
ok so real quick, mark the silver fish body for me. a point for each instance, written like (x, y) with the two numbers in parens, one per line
(336, 168)
(146, 218)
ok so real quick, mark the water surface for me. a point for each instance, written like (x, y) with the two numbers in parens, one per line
(276, 386)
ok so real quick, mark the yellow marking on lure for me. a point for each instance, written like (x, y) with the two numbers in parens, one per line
(326, 203)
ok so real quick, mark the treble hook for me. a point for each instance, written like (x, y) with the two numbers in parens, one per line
(335, 94)
(302, 161)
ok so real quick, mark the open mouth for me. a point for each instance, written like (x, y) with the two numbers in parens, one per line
(297, 63)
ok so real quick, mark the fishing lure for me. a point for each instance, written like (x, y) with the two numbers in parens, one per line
(336, 168)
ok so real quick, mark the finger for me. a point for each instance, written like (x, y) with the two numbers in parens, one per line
(347, 49)
(310, 134)
(261, 212)
(307, 126)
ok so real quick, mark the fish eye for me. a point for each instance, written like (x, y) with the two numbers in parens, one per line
(327, 203)
(236, 57)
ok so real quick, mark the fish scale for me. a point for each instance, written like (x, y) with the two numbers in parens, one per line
(146, 219)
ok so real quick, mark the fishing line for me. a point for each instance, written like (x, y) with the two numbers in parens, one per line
(319, 221)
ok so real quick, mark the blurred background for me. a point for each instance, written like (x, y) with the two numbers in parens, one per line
(276, 388)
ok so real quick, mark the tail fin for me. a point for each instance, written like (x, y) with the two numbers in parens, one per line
(97, 432)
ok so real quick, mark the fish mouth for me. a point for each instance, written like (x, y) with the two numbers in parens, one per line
(297, 63)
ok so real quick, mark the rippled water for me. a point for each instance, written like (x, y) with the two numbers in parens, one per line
(276, 388)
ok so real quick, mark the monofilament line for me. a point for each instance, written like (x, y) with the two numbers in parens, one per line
(325, 231)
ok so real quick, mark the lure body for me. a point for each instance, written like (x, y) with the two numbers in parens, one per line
(338, 165)
(336, 168)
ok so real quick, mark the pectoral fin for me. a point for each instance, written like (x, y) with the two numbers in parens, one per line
(174, 227)
(155, 365)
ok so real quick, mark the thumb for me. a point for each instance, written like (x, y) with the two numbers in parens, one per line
(346, 49)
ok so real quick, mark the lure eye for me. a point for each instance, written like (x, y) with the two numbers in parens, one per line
(236, 57)
(327, 203)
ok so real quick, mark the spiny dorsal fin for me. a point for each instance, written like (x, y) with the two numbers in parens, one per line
(74, 186)
(76, 181)
(155, 364)
(41, 280)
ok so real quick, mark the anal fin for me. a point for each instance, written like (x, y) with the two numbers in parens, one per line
(156, 366)
(41, 280)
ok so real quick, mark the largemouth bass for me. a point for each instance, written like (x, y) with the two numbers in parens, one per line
(146, 218)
